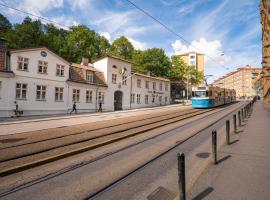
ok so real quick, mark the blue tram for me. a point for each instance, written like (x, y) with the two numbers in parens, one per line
(209, 96)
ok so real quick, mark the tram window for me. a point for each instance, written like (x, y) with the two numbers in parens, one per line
(200, 94)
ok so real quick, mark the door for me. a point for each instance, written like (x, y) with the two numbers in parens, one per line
(118, 98)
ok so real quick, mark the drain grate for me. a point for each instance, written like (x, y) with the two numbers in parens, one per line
(161, 193)
(203, 155)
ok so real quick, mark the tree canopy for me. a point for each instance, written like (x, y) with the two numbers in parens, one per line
(79, 41)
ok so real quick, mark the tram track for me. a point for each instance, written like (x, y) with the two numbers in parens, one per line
(15, 163)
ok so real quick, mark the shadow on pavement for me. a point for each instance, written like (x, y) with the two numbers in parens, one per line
(235, 141)
(223, 159)
(204, 193)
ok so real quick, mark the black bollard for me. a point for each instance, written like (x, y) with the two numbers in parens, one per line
(234, 124)
(228, 132)
(239, 118)
(214, 146)
(181, 176)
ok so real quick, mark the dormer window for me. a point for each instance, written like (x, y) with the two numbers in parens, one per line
(23, 63)
(89, 76)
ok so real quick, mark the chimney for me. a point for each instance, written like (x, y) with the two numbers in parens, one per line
(148, 73)
(3, 54)
(85, 61)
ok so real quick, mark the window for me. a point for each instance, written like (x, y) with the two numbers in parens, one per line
(23, 63)
(41, 92)
(166, 87)
(192, 62)
(192, 57)
(154, 85)
(124, 80)
(101, 97)
(89, 76)
(146, 99)
(89, 95)
(76, 95)
(160, 86)
(138, 98)
(132, 98)
(60, 70)
(114, 66)
(21, 90)
(139, 82)
(147, 84)
(160, 99)
(166, 99)
(59, 91)
(42, 67)
(153, 99)
(114, 77)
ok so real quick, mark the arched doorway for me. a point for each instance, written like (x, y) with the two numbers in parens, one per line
(118, 98)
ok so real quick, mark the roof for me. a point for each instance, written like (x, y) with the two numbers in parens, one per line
(88, 67)
(152, 77)
(187, 53)
(38, 48)
(114, 57)
(78, 74)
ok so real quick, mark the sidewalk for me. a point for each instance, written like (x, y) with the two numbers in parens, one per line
(244, 172)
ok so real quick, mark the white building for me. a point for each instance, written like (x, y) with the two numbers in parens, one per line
(41, 82)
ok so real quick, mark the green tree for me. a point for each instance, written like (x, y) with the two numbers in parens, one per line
(82, 42)
(27, 34)
(153, 60)
(5, 26)
(123, 48)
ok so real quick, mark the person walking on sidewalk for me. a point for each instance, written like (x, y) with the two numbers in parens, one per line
(74, 108)
(100, 106)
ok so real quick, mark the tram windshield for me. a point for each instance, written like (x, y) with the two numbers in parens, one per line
(200, 94)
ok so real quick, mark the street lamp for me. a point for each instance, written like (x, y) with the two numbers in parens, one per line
(206, 77)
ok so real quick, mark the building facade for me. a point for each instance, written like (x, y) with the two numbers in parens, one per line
(265, 22)
(195, 59)
(41, 82)
(241, 80)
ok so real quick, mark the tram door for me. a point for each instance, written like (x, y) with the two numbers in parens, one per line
(118, 98)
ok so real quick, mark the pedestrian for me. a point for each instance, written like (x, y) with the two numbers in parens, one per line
(74, 108)
(16, 108)
(100, 106)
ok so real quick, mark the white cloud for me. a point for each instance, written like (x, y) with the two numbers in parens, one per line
(106, 35)
(36, 7)
(65, 21)
(137, 44)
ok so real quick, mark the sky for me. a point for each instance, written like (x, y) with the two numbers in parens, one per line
(228, 32)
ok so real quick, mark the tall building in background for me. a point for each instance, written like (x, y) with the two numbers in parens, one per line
(242, 81)
(265, 22)
(195, 59)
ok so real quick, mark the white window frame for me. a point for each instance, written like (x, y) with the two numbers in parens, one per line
(160, 86)
(139, 83)
(132, 98)
(20, 91)
(138, 99)
(147, 84)
(60, 70)
(154, 85)
(59, 94)
(43, 65)
(41, 92)
(114, 78)
(89, 96)
(166, 87)
(22, 63)
(146, 98)
(76, 95)
(89, 76)
(101, 97)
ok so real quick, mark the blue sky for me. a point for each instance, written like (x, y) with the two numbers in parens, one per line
(214, 27)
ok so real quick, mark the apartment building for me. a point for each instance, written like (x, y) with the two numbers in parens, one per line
(195, 59)
(265, 23)
(241, 80)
